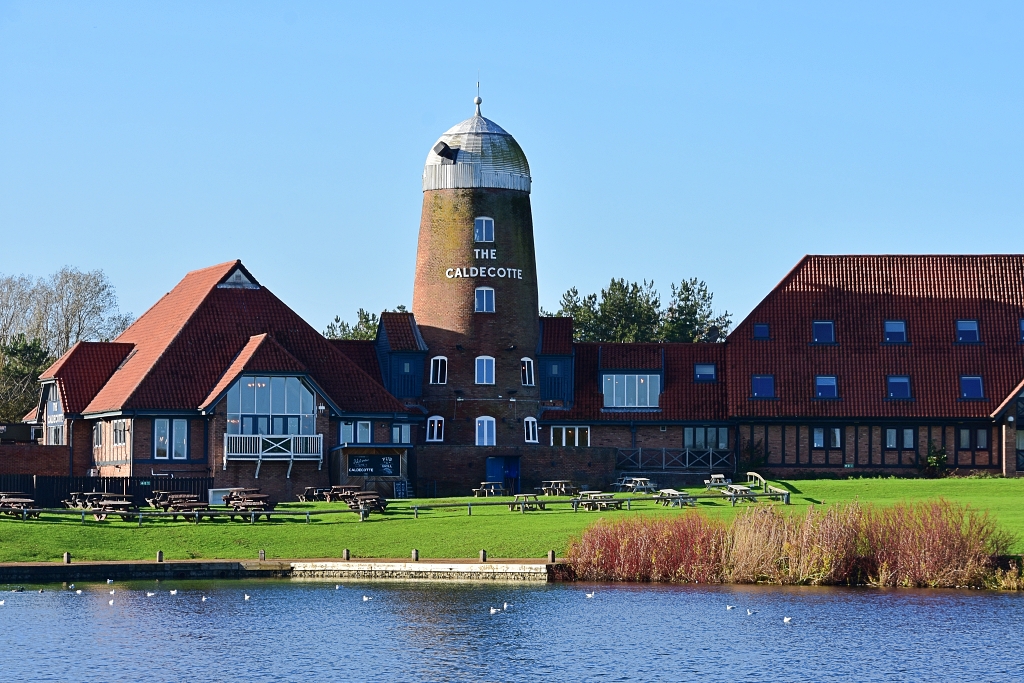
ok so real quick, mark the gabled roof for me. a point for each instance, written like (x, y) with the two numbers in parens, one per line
(401, 332)
(260, 354)
(83, 370)
(859, 293)
(190, 338)
(555, 336)
(363, 353)
(682, 398)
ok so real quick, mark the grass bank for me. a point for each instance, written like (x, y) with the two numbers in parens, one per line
(451, 532)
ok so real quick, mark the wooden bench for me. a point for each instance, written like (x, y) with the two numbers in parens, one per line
(525, 501)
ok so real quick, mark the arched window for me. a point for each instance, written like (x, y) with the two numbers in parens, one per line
(435, 428)
(438, 370)
(483, 229)
(484, 370)
(485, 431)
(484, 300)
(526, 366)
(530, 427)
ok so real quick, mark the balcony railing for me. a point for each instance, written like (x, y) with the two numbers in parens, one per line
(261, 447)
(679, 459)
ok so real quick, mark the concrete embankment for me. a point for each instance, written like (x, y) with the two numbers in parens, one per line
(510, 571)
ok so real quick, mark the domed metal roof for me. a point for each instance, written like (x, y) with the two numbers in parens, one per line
(476, 153)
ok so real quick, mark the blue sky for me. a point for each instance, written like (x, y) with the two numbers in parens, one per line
(713, 140)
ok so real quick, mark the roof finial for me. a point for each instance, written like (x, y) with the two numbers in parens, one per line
(476, 100)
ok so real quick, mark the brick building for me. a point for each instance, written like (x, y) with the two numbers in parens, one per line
(852, 363)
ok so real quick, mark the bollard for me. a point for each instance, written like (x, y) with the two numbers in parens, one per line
(415, 512)
(551, 556)
(159, 555)
(67, 558)
(483, 555)
(415, 555)
(470, 506)
(307, 518)
(523, 507)
(345, 554)
(140, 519)
(263, 555)
(363, 514)
(628, 501)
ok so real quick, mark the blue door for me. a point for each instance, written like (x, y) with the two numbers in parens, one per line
(506, 470)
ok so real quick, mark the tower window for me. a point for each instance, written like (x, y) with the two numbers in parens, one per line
(484, 300)
(438, 370)
(435, 428)
(483, 230)
(526, 369)
(530, 427)
(484, 370)
(485, 431)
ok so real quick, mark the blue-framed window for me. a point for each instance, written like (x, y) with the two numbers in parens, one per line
(824, 332)
(1021, 330)
(825, 386)
(895, 332)
(967, 332)
(761, 331)
(483, 229)
(833, 435)
(762, 386)
(704, 372)
(170, 439)
(971, 387)
(898, 386)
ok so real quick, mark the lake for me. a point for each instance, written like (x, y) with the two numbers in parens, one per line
(306, 631)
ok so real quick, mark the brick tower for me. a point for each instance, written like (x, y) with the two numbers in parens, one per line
(475, 295)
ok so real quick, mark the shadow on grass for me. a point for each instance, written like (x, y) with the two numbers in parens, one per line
(789, 487)
(814, 501)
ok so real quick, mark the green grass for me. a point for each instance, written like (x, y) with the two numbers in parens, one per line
(443, 533)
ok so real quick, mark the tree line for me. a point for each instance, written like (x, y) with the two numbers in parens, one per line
(40, 319)
(622, 312)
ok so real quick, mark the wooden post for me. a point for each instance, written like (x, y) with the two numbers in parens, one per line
(345, 554)
(415, 555)
(551, 556)
(415, 512)
(263, 555)
(159, 555)
(469, 506)
(483, 555)
(67, 558)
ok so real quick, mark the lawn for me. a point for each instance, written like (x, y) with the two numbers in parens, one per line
(442, 533)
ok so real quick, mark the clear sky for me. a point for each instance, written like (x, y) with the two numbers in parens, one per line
(714, 140)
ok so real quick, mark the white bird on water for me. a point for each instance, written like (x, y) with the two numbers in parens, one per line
(337, 587)
(507, 605)
(590, 595)
(2, 603)
(71, 587)
(365, 598)
(786, 620)
(110, 602)
(78, 592)
(730, 607)
(204, 598)
(750, 613)
(247, 596)
(149, 595)
(495, 610)
(174, 592)
(110, 581)
(111, 592)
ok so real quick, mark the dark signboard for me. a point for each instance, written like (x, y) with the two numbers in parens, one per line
(374, 465)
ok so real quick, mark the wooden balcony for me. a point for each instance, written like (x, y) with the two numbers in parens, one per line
(278, 448)
(674, 459)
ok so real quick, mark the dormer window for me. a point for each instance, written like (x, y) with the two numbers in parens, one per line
(483, 229)
(631, 391)
(967, 332)
(824, 332)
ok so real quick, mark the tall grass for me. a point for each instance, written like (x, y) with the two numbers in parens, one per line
(935, 543)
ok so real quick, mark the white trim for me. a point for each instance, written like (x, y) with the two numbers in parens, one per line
(526, 372)
(432, 431)
(490, 430)
(476, 373)
(433, 375)
(476, 300)
(530, 429)
(483, 241)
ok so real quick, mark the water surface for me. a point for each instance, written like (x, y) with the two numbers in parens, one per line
(305, 631)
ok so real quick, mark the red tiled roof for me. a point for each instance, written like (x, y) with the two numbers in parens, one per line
(399, 328)
(631, 356)
(260, 354)
(682, 399)
(186, 341)
(859, 293)
(556, 336)
(30, 416)
(362, 352)
(83, 370)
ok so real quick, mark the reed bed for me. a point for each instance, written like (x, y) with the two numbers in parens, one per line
(925, 544)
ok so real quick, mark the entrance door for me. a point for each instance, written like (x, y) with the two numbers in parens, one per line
(506, 470)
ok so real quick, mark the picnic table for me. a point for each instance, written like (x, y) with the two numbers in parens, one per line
(559, 487)
(16, 506)
(675, 498)
(642, 485)
(736, 492)
(717, 481)
(597, 500)
(341, 492)
(525, 501)
(490, 488)
(121, 506)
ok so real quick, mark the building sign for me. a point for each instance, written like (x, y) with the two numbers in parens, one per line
(374, 465)
(485, 271)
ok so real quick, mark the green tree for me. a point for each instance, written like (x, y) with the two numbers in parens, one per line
(22, 360)
(690, 316)
(365, 326)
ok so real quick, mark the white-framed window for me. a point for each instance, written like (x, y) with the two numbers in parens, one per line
(270, 405)
(357, 432)
(97, 434)
(401, 433)
(484, 370)
(834, 435)
(438, 370)
(483, 229)
(485, 428)
(530, 428)
(170, 439)
(55, 435)
(484, 300)
(570, 436)
(631, 391)
(526, 370)
(435, 428)
(120, 428)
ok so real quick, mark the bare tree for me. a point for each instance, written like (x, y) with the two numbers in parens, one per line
(16, 305)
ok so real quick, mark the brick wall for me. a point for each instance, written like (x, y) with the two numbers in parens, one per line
(30, 458)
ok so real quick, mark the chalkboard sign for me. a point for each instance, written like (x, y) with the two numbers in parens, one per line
(374, 465)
